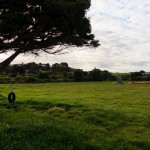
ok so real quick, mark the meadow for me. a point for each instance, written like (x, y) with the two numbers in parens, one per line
(75, 116)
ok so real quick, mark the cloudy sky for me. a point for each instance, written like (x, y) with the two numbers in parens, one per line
(123, 29)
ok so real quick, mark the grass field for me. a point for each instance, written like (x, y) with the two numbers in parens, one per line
(76, 116)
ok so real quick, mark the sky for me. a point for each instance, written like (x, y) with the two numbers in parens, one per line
(123, 29)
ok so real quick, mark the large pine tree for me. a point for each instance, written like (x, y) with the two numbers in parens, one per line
(32, 26)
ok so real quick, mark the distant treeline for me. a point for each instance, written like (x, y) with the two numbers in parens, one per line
(35, 73)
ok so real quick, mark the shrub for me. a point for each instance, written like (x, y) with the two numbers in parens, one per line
(31, 79)
(43, 75)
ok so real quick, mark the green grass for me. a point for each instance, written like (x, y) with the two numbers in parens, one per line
(76, 116)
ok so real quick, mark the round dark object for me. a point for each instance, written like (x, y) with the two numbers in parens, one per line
(11, 97)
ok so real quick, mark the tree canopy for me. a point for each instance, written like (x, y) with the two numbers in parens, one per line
(32, 26)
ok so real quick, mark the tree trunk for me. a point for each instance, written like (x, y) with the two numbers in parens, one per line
(6, 62)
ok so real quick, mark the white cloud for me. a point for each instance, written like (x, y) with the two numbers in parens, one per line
(123, 28)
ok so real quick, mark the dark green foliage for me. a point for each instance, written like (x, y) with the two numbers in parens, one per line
(79, 75)
(31, 79)
(32, 72)
(43, 75)
(95, 75)
(140, 76)
(30, 20)
(62, 67)
(56, 67)
(31, 67)
(134, 76)
(15, 69)
(34, 26)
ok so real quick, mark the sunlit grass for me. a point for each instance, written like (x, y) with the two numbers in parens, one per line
(94, 115)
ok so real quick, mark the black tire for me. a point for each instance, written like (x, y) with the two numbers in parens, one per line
(11, 97)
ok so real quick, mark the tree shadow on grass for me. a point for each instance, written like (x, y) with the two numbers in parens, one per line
(37, 106)
(55, 137)
(41, 137)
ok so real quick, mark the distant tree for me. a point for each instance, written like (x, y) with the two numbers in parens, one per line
(43, 75)
(31, 79)
(95, 75)
(65, 75)
(55, 67)
(136, 76)
(85, 76)
(45, 67)
(142, 72)
(31, 67)
(35, 26)
(18, 69)
(78, 75)
(106, 75)
(64, 67)
(139, 76)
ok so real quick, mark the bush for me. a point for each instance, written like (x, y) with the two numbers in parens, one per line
(43, 75)
(31, 79)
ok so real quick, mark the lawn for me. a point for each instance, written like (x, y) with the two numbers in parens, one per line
(76, 116)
